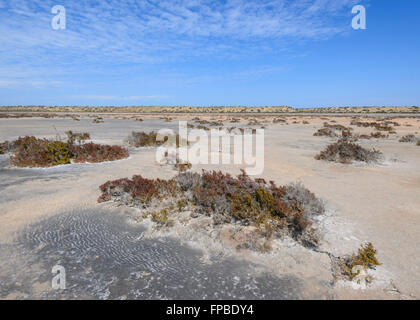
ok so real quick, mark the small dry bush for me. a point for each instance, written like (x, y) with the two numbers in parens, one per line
(378, 135)
(357, 123)
(279, 120)
(373, 135)
(137, 190)
(338, 127)
(344, 151)
(202, 127)
(418, 143)
(210, 123)
(161, 218)
(201, 121)
(4, 147)
(325, 132)
(182, 167)
(143, 139)
(330, 130)
(385, 126)
(7, 146)
(408, 138)
(72, 137)
(296, 192)
(272, 209)
(216, 124)
(254, 122)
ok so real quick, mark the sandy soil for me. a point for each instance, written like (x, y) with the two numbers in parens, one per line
(375, 202)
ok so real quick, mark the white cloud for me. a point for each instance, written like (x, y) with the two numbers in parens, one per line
(152, 31)
(107, 33)
(34, 83)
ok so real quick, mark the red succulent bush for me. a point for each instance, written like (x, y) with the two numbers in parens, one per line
(272, 209)
(136, 190)
(94, 153)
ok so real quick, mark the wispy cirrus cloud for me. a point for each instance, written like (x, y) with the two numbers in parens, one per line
(33, 83)
(111, 34)
(154, 31)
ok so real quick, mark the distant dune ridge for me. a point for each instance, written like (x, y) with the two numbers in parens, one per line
(228, 109)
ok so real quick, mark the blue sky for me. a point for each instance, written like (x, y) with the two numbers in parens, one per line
(301, 53)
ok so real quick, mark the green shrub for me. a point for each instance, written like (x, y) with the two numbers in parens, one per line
(161, 218)
(33, 152)
(365, 257)
(59, 152)
(181, 204)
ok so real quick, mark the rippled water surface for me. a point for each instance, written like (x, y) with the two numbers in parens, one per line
(107, 258)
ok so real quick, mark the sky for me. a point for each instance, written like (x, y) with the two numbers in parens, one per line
(301, 53)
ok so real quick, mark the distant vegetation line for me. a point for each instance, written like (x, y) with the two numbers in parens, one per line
(186, 109)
